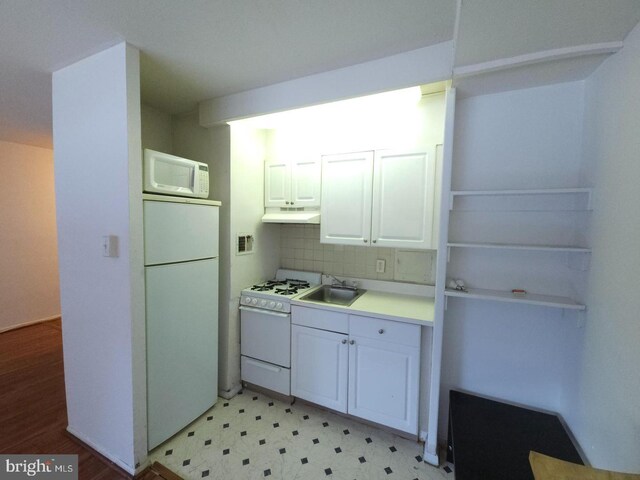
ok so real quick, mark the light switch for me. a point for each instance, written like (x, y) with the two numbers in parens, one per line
(110, 246)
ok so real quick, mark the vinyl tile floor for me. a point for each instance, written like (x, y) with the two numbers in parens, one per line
(253, 436)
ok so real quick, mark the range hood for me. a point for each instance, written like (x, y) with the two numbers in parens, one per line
(308, 217)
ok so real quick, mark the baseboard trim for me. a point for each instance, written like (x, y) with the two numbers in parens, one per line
(431, 458)
(29, 323)
(117, 465)
(232, 392)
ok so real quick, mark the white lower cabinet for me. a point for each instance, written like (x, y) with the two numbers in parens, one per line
(372, 372)
(319, 363)
(383, 383)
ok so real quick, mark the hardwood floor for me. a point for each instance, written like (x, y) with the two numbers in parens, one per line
(33, 415)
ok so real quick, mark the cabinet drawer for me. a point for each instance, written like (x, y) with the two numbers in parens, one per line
(322, 319)
(385, 330)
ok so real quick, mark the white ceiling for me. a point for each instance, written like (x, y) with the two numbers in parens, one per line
(198, 49)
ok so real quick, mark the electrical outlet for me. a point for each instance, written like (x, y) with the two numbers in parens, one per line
(380, 264)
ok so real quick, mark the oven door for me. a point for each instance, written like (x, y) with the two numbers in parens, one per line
(265, 335)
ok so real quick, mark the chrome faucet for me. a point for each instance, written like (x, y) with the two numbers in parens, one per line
(340, 283)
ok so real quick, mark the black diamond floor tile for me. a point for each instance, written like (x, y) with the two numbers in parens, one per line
(249, 460)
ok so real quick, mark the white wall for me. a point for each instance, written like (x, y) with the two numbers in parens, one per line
(29, 288)
(96, 131)
(157, 129)
(247, 194)
(212, 146)
(524, 354)
(608, 419)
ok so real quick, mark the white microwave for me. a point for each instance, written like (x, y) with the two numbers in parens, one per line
(171, 175)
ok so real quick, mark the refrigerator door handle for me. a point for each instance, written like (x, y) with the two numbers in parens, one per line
(266, 312)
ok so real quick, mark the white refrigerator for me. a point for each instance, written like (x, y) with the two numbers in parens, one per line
(181, 276)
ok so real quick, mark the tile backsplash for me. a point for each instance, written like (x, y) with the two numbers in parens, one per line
(300, 249)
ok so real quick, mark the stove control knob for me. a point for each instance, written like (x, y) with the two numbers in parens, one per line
(247, 300)
(279, 306)
(272, 304)
(263, 303)
(254, 301)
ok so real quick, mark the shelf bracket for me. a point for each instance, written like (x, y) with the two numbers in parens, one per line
(446, 302)
(448, 254)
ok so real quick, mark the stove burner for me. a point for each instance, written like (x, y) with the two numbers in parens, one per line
(298, 283)
(287, 291)
(274, 283)
(261, 288)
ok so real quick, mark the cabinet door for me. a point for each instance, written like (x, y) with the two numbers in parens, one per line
(383, 383)
(305, 182)
(403, 191)
(277, 183)
(319, 367)
(346, 198)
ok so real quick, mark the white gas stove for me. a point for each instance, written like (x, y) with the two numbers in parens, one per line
(276, 294)
(265, 328)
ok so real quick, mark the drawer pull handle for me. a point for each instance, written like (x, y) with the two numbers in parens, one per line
(351, 342)
(381, 331)
(344, 340)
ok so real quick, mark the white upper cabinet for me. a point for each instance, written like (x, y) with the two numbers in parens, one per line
(346, 198)
(277, 184)
(402, 209)
(382, 198)
(292, 183)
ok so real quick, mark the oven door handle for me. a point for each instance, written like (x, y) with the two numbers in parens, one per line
(266, 312)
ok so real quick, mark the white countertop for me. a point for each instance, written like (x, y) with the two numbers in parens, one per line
(388, 306)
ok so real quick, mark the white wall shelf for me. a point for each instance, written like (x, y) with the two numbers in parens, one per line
(511, 246)
(533, 192)
(502, 296)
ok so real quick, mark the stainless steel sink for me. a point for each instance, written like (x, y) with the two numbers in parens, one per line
(336, 295)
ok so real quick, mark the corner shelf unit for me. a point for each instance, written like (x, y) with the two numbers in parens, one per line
(578, 256)
(502, 296)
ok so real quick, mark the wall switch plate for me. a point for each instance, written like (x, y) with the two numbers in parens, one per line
(380, 264)
(110, 246)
